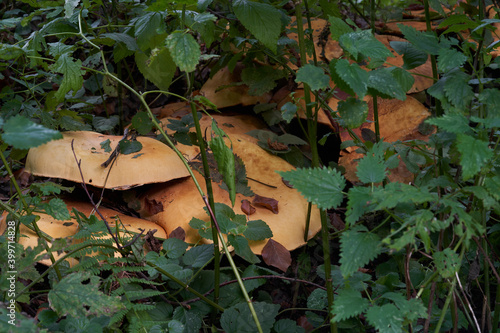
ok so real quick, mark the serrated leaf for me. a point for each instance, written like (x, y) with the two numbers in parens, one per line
(72, 75)
(174, 247)
(447, 262)
(103, 124)
(314, 76)
(57, 209)
(22, 133)
(260, 79)
(364, 43)
(287, 326)
(338, 27)
(474, 154)
(357, 204)
(257, 230)
(127, 40)
(59, 48)
(241, 248)
(225, 160)
(410, 309)
(69, 7)
(354, 76)
(453, 123)
(318, 299)
(403, 78)
(147, 27)
(198, 256)
(9, 52)
(129, 147)
(357, 248)
(425, 41)
(457, 89)
(159, 68)
(261, 19)
(348, 303)
(288, 111)
(412, 57)
(385, 318)
(371, 169)
(275, 254)
(71, 297)
(238, 319)
(321, 186)
(184, 50)
(142, 123)
(449, 59)
(383, 82)
(353, 112)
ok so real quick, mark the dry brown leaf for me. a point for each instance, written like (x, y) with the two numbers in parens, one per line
(247, 208)
(265, 202)
(276, 255)
(178, 233)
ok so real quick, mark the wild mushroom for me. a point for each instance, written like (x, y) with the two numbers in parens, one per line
(181, 201)
(154, 163)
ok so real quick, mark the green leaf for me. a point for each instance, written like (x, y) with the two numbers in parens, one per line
(22, 133)
(288, 111)
(411, 309)
(474, 155)
(364, 43)
(447, 262)
(106, 145)
(338, 27)
(261, 19)
(287, 326)
(198, 256)
(457, 89)
(453, 123)
(71, 297)
(238, 319)
(159, 68)
(353, 112)
(184, 50)
(425, 41)
(72, 75)
(9, 52)
(127, 40)
(260, 79)
(57, 209)
(358, 203)
(142, 123)
(354, 76)
(348, 303)
(314, 76)
(318, 299)
(69, 7)
(403, 77)
(321, 186)
(174, 247)
(147, 28)
(257, 230)
(412, 57)
(241, 248)
(357, 248)
(103, 124)
(385, 318)
(449, 59)
(385, 84)
(225, 160)
(129, 147)
(371, 169)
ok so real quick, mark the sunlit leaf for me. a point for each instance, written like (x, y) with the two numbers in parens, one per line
(184, 50)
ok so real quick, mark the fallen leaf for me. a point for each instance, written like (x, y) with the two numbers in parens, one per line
(152, 207)
(268, 203)
(276, 145)
(152, 242)
(178, 233)
(246, 207)
(275, 254)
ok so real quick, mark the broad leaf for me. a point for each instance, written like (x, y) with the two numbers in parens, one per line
(257, 230)
(174, 247)
(275, 254)
(348, 303)
(147, 27)
(127, 40)
(449, 59)
(358, 203)
(371, 169)
(69, 7)
(158, 68)
(198, 256)
(287, 326)
(474, 154)
(72, 75)
(142, 123)
(57, 209)
(184, 50)
(71, 297)
(364, 43)
(338, 27)
(313, 76)
(261, 19)
(357, 248)
(238, 318)
(225, 160)
(241, 248)
(288, 111)
(129, 146)
(354, 76)
(453, 123)
(447, 262)
(457, 88)
(260, 79)
(385, 318)
(22, 133)
(353, 112)
(321, 186)
(425, 41)
(412, 57)
(383, 83)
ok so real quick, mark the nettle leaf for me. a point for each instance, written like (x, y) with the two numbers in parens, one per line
(412, 57)
(261, 19)
(491, 97)
(238, 319)
(353, 75)
(288, 111)
(127, 40)
(358, 203)
(103, 124)
(71, 297)
(403, 77)
(184, 50)
(321, 186)
(260, 79)
(241, 248)
(158, 68)
(457, 88)
(174, 247)
(353, 112)
(447, 262)
(147, 27)
(338, 27)
(449, 59)
(348, 303)
(411, 309)
(453, 123)
(425, 41)
(56, 49)
(385, 85)
(257, 230)
(22, 133)
(57, 209)
(225, 160)
(385, 318)
(371, 169)
(72, 75)
(318, 299)
(474, 154)
(142, 123)
(364, 43)
(357, 248)
(198, 256)
(313, 76)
